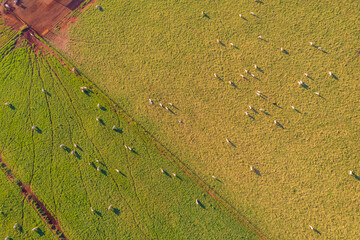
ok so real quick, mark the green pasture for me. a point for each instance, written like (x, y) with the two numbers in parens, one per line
(15, 210)
(48, 109)
(167, 51)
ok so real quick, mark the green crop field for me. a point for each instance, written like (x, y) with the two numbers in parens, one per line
(68, 144)
(167, 51)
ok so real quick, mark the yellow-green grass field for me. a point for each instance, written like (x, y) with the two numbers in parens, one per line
(167, 51)
(62, 142)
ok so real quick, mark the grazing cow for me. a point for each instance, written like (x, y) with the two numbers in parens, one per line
(150, 101)
(197, 202)
(117, 170)
(15, 225)
(246, 113)
(311, 227)
(98, 169)
(113, 128)
(91, 209)
(351, 172)
(251, 168)
(109, 207)
(34, 229)
(161, 170)
(62, 145)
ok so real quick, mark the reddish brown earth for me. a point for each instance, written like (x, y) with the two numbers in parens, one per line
(50, 221)
(39, 15)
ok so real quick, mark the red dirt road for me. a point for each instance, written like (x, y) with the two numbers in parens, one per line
(46, 216)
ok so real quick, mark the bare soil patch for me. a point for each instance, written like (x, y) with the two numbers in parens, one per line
(39, 15)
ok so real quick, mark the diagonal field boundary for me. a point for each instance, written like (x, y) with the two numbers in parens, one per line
(41, 43)
(163, 149)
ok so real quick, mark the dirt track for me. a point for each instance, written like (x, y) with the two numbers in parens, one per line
(39, 207)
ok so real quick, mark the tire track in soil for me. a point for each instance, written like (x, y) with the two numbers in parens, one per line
(38, 206)
(130, 172)
(52, 132)
(95, 148)
(55, 75)
(32, 132)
